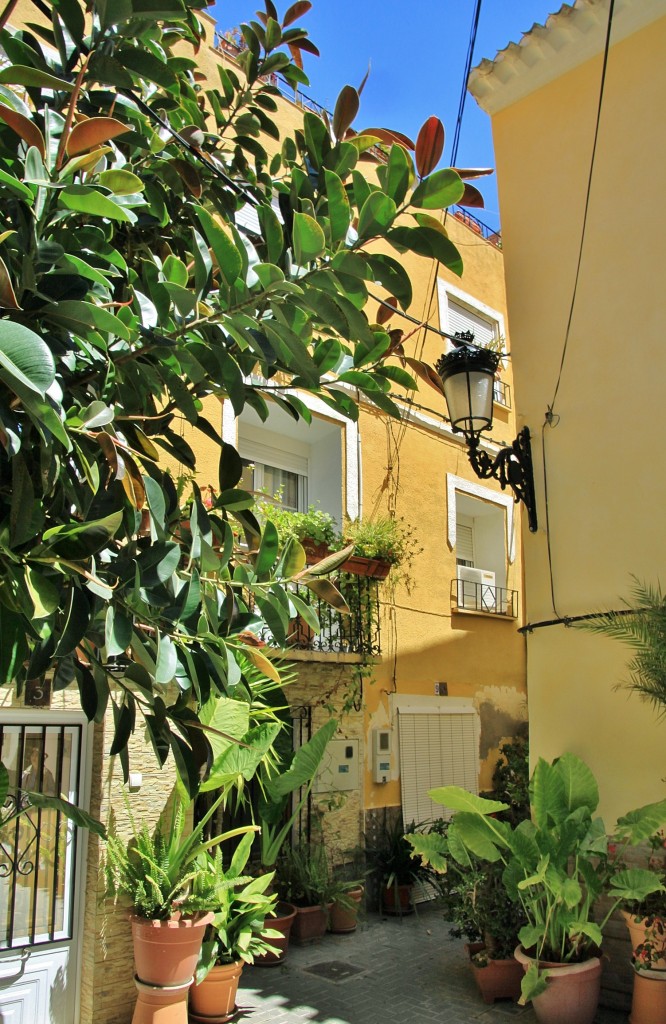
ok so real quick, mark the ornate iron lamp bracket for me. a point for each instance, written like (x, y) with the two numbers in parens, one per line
(512, 465)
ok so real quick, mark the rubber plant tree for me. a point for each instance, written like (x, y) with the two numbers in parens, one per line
(129, 293)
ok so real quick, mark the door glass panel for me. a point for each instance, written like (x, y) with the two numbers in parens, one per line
(38, 847)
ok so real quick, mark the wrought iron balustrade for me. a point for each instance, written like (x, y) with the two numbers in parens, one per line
(502, 393)
(355, 633)
(468, 596)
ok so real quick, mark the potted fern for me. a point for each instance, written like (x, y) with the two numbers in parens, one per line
(171, 893)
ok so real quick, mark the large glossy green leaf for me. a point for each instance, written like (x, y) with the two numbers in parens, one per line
(427, 242)
(80, 817)
(637, 826)
(393, 276)
(399, 174)
(580, 786)
(85, 199)
(308, 237)
(305, 763)
(78, 541)
(547, 795)
(439, 190)
(14, 646)
(339, 210)
(17, 74)
(26, 362)
(377, 215)
(227, 255)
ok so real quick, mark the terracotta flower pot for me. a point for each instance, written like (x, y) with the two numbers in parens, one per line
(640, 932)
(166, 952)
(648, 1004)
(372, 567)
(344, 919)
(310, 924)
(160, 1005)
(572, 992)
(498, 979)
(397, 903)
(286, 915)
(214, 999)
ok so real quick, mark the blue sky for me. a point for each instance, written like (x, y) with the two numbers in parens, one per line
(417, 51)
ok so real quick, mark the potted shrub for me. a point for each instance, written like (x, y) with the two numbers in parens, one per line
(346, 895)
(378, 544)
(346, 899)
(303, 879)
(473, 895)
(235, 936)
(315, 530)
(170, 891)
(646, 921)
(475, 900)
(556, 865)
(395, 865)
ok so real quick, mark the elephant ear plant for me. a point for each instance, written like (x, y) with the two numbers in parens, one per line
(278, 791)
(557, 864)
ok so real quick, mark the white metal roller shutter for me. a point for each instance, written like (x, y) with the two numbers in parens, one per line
(463, 319)
(436, 749)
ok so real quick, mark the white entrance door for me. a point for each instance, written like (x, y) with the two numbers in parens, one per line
(40, 868)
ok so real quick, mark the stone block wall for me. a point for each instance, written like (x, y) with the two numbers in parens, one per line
(323, 686)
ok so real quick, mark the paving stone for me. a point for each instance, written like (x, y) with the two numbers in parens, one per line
(408, 969)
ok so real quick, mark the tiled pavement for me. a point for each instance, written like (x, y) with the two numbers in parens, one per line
(404, 971)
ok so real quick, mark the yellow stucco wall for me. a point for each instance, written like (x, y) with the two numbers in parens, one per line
(604, 456)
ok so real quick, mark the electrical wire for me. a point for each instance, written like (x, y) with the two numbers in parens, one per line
(587, 205)
(551, 418)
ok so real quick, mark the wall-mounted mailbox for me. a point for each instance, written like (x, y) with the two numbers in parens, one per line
(339, 768)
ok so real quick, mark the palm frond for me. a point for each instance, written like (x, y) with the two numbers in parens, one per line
(641, 627)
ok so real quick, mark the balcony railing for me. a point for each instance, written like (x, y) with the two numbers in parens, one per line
(468, 596)
(502, 393)
(356, 633)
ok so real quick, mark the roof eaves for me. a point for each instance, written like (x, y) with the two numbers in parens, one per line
(574, 34)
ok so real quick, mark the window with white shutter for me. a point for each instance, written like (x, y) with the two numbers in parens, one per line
(460, 312)
(437, 748)
(462, 318)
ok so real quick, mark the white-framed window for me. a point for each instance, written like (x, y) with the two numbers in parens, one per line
(309, 464)
(460, 312)
(481, 533)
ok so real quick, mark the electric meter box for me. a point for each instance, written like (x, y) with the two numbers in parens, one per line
(381, 755)
(338, 771)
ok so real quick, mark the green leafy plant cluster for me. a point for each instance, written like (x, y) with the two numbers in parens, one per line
(242, 904)
(314, 524)
(386, 539)
(131, 293)
(557, 863)
(163, 872)
(473, 894)
(392, 859)
(303, 875)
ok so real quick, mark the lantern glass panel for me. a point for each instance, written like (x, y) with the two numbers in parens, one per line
(469, 396)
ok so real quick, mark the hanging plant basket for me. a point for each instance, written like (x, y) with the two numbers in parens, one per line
(373, 568)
